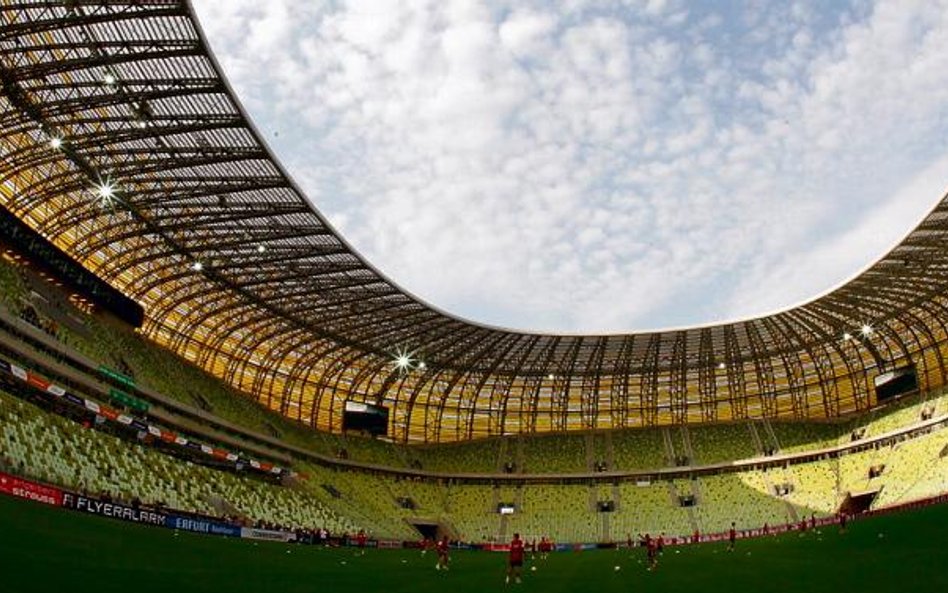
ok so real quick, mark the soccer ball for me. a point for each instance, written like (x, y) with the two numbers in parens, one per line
(616, 568)
(533, 568)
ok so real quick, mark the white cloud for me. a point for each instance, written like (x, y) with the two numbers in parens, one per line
(803, 276)
(526, 33)
(601, 166)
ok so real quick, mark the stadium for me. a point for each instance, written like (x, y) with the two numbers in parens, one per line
(204, 387)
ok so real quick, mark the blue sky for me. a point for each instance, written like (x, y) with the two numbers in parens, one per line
(602, 166)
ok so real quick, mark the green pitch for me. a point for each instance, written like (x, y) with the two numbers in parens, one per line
(48, 549)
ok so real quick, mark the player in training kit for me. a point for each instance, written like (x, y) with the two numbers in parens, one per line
(442, 547)
(361, 538)
(731, 537)
(515, 560)
(545, 547)
(646, 541)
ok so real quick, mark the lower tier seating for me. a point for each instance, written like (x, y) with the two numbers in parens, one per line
(39, 444)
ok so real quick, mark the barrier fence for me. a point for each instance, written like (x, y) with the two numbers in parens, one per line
(84, 504)
(20, 488)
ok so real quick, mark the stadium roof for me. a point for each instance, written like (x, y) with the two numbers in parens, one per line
(122, 143)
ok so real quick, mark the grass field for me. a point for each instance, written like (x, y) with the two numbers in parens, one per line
(48, 549)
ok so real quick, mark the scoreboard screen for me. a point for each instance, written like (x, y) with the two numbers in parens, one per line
(896, 382)
(366, 418)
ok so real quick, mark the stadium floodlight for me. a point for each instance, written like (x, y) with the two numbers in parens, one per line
(105, 193)
(551, 376)
(847, 336)
(109, 79)
(422, 366)
(261, 248)
(56, 142)
(403, 360)
(197, 266)
(866, 330)
(722, 366)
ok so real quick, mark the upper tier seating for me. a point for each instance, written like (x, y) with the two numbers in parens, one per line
(553, 454)
(481, 456)
(720, 443)
(638, 449)
(793, 437)
(12, 289)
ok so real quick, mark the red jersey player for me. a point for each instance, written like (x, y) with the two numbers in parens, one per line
(515, 561)
(360, 541)
(651, 548)
(546, 546)
(442, 547)
(731, 537)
